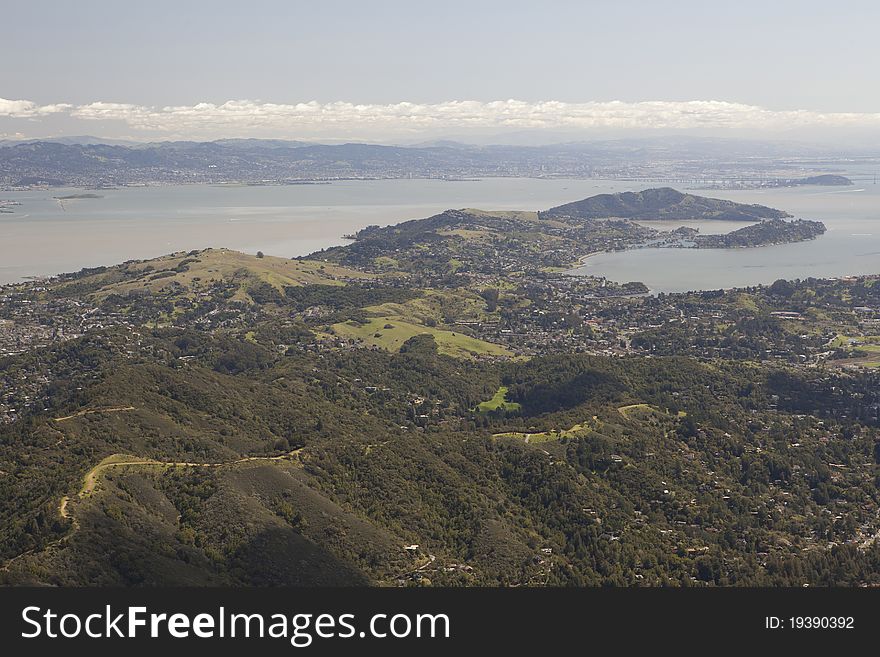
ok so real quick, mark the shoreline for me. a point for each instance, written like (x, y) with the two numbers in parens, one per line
(582, 260)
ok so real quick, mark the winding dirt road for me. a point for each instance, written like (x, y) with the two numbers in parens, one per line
(90, 480)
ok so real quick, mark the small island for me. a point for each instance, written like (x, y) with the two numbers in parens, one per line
(72, 197)
(765, 233)
(829, 180)
(823, 180)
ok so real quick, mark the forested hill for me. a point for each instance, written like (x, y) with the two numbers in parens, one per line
(662, 203)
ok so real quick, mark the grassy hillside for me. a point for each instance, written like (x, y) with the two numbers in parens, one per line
(198, 272)
(391, 333)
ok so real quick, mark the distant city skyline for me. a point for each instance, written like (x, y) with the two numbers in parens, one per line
(392, 71)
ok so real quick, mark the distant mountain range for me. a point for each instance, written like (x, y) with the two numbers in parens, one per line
(254, 161)
(81, 140)
(95, 162)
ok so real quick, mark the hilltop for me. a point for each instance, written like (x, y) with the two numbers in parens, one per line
(203, 273)
(663, 203)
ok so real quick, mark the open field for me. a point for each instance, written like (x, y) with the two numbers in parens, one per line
(499, 400)
(554, 434)
(434, 306)
(522, 215)
(863, 351)
(869, 343)
(390, 333)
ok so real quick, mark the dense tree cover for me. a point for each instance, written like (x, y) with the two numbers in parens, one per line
(681, 472)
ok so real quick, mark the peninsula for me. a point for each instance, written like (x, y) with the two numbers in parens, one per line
(488, 243)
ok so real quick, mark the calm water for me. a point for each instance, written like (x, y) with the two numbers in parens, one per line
(850, 246)
(45, 236)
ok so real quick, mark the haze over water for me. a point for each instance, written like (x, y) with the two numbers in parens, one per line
(45, 236)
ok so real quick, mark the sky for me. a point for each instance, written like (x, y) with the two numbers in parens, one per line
(398, 71)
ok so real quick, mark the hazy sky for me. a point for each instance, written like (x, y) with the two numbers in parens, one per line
(334, 68)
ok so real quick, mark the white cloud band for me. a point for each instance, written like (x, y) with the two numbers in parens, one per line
(245, 117)
(27, 109)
